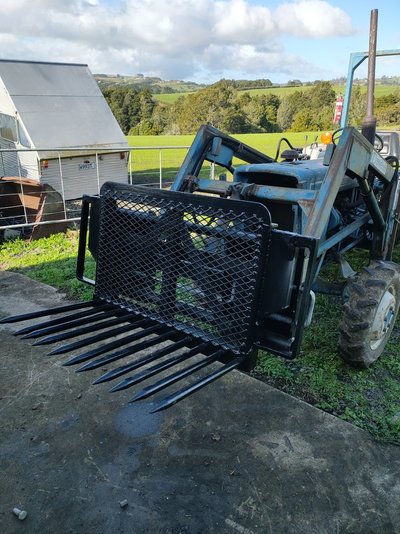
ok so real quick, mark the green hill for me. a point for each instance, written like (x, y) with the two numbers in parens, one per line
(380, 90)
(168, 91)
(153, 84)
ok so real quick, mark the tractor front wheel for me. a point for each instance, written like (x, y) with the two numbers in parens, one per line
(369, 313)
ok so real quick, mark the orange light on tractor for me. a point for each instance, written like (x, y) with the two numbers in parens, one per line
(326, 138)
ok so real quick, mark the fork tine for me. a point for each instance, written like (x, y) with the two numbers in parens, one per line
(114, 344)
(155, 369)
(189, 390)
(171, 379)
(115, 373)
(97, 324)
(99, 337)
(51, 311)
(59, 320)
(105, 360)
(65, 323)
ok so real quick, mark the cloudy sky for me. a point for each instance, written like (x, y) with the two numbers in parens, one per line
(200, 40)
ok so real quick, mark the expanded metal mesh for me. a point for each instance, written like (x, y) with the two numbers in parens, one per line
(190, 266)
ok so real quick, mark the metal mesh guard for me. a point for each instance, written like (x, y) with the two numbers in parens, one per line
(190, 262)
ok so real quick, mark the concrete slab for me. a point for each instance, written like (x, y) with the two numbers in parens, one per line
(237, 457)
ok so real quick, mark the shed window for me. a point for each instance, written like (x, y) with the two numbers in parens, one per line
(8, 127)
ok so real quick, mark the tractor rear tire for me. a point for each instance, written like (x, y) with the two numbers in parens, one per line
(369, 313)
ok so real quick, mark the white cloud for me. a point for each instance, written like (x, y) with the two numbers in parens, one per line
(171, 39)
(312, 19)
(239, 22)
(256, 62)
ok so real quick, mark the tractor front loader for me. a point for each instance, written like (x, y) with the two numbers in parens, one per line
(228, 262)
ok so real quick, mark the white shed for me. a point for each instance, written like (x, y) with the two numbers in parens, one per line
(58, 111)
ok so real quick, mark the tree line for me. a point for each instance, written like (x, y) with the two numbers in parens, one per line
(237, 111)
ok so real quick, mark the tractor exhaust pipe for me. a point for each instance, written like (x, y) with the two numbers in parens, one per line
(368, 127)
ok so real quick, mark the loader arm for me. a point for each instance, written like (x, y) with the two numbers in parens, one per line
(356, 158)
(214, 146)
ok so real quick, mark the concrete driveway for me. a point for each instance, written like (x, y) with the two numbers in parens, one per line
(237, 457)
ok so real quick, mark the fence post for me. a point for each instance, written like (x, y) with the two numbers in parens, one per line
(98, 173)
(62, 184)
(212, 170)
(23, 200)
(22, 190)
(160, 157)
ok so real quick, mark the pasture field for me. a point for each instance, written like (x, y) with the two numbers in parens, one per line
(265, 142)
(169, 98)
(152, 152)
(380, 90)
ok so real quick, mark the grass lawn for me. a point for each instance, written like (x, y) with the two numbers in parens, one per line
(368, 398)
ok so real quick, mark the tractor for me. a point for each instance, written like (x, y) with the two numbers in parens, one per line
(228, 261)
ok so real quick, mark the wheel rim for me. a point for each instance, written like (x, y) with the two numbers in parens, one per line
(383, 319)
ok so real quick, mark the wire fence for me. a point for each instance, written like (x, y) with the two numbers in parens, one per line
(41, 191)
(155, 166)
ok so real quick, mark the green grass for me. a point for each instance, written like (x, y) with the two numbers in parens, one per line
(147, 162)
(159, 140)
(50, 260)
(367, 398)
(266, 142)
(380, 90)
(170, 98)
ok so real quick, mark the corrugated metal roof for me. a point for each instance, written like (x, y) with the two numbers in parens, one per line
(60, 105)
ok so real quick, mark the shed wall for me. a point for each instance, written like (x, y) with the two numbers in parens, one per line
(28, 165)
(78, 175)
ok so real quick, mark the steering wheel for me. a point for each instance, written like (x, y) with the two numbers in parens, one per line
(335, 135)
(378, 144)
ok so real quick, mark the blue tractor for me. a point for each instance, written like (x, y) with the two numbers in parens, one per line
(228, 261)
